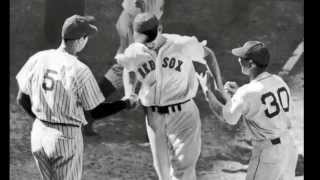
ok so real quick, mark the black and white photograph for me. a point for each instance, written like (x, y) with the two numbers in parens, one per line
(156, 90)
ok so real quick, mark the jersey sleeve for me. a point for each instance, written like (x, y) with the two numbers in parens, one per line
(236, 106)
(24, 75)
(133, 55)
(89, 93)
(195, 50)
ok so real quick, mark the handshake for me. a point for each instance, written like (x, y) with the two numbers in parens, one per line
(132, 101)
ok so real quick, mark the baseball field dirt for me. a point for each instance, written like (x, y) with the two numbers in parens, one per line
(116, 153)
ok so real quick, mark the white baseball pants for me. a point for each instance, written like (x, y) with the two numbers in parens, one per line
(175, 140)
(57, 150)
(273, 162)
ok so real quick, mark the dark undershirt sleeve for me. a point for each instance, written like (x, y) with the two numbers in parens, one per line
(106, 87)
(106, 109)
(24, 101)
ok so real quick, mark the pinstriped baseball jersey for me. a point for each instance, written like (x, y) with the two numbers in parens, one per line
(152, 6)
(60, 87)
(266, 104)
(169, 77)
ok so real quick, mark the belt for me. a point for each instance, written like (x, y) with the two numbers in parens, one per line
(165, 109)
(59, 124)
(275, 141)
(267, 142)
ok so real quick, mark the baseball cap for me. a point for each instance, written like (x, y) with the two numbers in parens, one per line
(144, 22)
(254, 50)
(78, 26)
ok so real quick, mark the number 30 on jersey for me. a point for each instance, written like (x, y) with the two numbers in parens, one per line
(273, 106)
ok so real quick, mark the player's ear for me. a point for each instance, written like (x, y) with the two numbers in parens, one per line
(160, 28)
(251, 64)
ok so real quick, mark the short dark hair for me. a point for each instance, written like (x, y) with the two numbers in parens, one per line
(151, 34)
(259, 53)
(147, 24)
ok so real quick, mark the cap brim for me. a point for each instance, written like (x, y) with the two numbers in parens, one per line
(90, 19)
(240, 52)
(92, 30)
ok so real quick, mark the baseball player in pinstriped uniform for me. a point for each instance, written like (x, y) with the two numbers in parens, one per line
(55, 89)
(114, 77)
(266, 104)
(164, 64)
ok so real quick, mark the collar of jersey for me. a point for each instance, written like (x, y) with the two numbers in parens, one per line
(158, 46)
(262, 76)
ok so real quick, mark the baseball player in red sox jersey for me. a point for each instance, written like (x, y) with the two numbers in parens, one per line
(165, 68)
(265, 102)
(55, 89)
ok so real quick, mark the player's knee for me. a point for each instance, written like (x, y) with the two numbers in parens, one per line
(181, 166)
(182, 172)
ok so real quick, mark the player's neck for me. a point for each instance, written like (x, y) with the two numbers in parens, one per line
(254, 74)
(67, 49)
(161, 40)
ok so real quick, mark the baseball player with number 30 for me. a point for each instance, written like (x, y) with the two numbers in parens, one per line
(266, 104)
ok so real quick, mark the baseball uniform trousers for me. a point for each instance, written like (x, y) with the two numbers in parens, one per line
(57, 150)
(273, 161)
(175, 140)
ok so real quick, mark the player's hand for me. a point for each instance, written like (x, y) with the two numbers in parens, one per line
(230, 87)
(133, 101)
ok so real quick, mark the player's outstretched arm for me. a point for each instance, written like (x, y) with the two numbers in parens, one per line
(24, 101)
(214, 104)
(131, 86)
(230, 110)
(129, 82)
(213, 67)
(108, 108)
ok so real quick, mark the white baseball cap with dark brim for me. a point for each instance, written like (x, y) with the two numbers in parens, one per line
(78, 26)
(254, 50)
(244, 50)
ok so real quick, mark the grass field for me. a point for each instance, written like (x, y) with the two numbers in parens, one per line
(115, 155)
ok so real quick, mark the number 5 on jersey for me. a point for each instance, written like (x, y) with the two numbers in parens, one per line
(48, 80)
(272, 103)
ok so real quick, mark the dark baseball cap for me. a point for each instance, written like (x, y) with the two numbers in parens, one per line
(254, 50)
(144, 22)
(78, 26)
